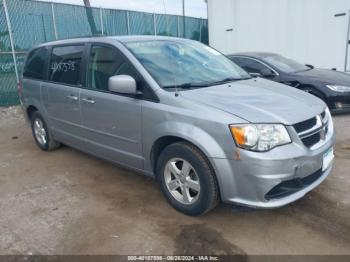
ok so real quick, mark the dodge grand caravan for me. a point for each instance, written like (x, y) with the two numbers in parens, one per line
(181, 112)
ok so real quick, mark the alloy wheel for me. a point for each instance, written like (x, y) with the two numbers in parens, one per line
(182, 181)
(40, 132)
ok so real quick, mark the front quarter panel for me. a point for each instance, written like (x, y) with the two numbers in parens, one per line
(206, 128)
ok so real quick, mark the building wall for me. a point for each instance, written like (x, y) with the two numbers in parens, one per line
(305, 30)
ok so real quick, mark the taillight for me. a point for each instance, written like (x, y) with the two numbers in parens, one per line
(19, 88)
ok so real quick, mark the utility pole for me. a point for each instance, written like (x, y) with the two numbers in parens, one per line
(183, 16)
(347, 44)
(90, 17)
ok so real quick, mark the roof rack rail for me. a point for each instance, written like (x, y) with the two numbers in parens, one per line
(83, 36)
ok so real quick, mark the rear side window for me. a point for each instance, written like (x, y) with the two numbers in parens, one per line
(65, 64)
(35, 64)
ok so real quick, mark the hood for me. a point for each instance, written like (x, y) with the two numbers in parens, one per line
(326, 76)
(259, 101)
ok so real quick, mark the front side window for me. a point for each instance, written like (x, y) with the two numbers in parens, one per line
(65, 65)
(35, 64)
(184, 63)
(104, 63)
(250, 65)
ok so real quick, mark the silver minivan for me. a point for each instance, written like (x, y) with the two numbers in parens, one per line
(183, 113)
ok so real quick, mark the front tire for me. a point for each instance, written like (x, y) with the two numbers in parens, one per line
(41, 133)
(187, 179)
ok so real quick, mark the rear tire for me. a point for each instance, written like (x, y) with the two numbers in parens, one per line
(42, 134)
(187, 180)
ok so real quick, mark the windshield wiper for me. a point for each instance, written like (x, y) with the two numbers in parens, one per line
(227, 80)
(188, 85)
(206, 84)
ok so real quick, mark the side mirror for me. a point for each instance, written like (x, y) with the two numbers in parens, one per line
(266, 72)
(310, 66)
(123, 84)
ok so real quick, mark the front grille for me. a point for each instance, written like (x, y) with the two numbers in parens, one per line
(311, 140)
(311, 131)
(305, 125)
(289, 187)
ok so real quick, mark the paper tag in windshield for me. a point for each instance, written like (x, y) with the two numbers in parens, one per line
(181, 51)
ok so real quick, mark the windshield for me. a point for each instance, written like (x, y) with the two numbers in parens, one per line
(285, 64)
(185, 63)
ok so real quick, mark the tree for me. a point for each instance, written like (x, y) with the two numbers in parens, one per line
(90, 17)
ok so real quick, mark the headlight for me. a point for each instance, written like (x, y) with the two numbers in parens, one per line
(260, 137)
(337, 88)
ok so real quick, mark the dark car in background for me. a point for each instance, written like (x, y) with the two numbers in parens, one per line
(333, 87)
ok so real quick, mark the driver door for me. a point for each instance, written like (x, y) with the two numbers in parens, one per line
(112, 121)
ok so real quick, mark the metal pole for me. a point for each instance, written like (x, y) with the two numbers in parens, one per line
(154, 24)
(43, 23)
(54, 20)
(183, 16)
(128, 22)
(200, 30)
(11, 39)
(347, 44)
(101, 21)
(178, 26)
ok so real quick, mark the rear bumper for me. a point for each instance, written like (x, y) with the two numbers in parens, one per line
(272, 179)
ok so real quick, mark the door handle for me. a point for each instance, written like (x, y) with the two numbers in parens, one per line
(72, 97)
(88, 100)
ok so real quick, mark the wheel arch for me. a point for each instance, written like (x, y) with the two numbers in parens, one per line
(161, 143)
(167, 132)
(30, 110)
(317, 90)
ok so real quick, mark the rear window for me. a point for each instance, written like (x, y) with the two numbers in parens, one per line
(35, 64)
(65, 65)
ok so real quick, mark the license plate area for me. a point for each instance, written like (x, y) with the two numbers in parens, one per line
(328, 157)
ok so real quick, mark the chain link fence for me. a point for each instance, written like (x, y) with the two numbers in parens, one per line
(28, 23)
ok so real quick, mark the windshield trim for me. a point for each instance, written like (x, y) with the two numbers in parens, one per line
(286, 72)
(300, 71)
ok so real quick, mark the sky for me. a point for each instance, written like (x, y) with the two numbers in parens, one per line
(196, 8)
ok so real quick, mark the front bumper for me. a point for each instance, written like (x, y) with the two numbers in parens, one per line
(339, 103)
(250, 179)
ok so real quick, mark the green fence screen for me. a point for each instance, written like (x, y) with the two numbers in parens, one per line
(34, 22)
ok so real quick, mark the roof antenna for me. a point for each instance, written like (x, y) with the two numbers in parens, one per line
(168, 32)
(176, 85)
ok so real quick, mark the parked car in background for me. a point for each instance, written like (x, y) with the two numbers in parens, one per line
(181, 112)
(331, 86)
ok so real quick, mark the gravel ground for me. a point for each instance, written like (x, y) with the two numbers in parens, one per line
(67, 202)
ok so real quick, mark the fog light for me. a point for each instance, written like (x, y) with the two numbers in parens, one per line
(339, 105)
